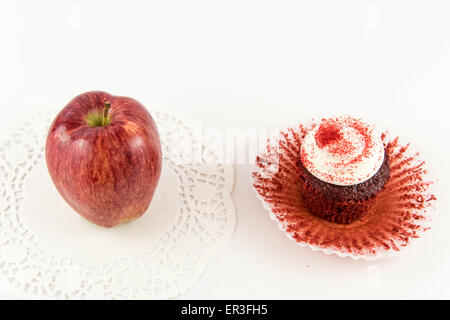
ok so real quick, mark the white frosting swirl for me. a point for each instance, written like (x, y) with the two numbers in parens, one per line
(342, 151)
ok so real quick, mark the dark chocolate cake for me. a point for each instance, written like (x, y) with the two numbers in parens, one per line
(342, 204)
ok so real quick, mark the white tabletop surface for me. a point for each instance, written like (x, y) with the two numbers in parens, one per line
(257, 64)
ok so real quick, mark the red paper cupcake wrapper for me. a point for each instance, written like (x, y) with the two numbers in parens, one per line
(398, 216)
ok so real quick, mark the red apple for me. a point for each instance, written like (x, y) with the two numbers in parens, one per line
(104, 156)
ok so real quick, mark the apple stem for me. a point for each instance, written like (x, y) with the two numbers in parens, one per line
(105, 112)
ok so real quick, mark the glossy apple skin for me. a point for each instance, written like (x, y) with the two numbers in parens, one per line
(108, 174)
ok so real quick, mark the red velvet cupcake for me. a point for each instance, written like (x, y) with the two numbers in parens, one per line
(344, 166)
(351, 192)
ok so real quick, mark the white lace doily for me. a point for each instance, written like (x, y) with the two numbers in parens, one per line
(48, 251)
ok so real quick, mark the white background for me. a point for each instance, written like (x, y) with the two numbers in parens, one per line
(257, 64)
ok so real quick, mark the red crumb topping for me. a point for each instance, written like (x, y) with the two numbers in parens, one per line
(328, 133)
(332, 135)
